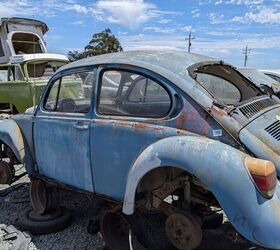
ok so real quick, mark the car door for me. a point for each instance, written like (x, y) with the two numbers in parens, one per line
(126, 123)
(61, 129)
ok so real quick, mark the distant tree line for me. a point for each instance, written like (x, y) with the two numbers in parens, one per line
(101, 43)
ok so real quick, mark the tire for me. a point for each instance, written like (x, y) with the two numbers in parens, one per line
(116, 228)
(6, 173)
(51, 222)
(212, 221)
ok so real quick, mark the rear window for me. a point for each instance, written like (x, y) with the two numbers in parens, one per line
(224, 83)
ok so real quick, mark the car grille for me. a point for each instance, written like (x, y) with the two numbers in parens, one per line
(274, 130)
(251, 109)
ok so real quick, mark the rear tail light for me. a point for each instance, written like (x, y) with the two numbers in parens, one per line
(263, 174)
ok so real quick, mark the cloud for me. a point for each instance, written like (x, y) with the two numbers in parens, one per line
(264, 15)
(129, 13)
(195, 13)
(78, 23)
(215, 18)
(163, 21)
(187, 28)
(159, 29)
(243, 2)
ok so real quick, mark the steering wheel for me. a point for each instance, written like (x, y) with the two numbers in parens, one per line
(67, 105)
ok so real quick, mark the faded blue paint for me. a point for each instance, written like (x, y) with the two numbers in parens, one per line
(62, 150)
(259, 141)
(122, 141)
(109, 155)
(222, 170)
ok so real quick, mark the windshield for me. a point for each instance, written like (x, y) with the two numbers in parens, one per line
(42, 70)
(224, 83)
(258, 77)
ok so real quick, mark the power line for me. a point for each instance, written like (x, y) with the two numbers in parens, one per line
(246, 51)
(189, 40)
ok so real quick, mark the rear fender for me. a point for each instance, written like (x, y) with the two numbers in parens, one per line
(222, 170)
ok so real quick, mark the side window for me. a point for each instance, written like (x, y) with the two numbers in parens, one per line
(18, 76)
(130, 94)
(15, 73)
(71, 93)
(3, 74)
(221, 89)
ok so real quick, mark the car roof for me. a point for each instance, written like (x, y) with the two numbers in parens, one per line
(271, 71)
(20, 58)
(150, 58)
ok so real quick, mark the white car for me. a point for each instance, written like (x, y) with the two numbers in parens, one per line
(260, 79)
(273, 73)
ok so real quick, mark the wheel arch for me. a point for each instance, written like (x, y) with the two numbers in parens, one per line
(11, 135)
(212, 162)
(220, 168)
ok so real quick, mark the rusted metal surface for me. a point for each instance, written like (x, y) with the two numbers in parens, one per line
(109, 154)
(183, 231)
(231, 180)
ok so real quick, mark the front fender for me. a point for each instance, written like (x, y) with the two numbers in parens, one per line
(11, 135)
(222, 170)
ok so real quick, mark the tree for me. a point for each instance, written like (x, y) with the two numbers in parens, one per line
(101, 43)
(76, 55)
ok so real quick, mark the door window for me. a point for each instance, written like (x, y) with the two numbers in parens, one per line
(130, 94)
(71, 93)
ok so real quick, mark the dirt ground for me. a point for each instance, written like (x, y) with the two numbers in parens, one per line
(83, 209)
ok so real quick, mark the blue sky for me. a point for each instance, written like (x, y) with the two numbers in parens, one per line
(222, 28)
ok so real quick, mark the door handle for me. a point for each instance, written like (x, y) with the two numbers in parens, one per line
(81, 126)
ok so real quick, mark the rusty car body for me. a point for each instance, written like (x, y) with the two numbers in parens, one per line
(261, 80)
(150, 124)
(273, 73)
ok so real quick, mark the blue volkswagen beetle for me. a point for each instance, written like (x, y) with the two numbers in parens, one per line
(168, 131)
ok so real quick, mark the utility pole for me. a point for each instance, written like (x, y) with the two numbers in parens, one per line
(246, 51)
(189, 39)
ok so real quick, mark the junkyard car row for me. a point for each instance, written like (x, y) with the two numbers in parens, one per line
(167, 131)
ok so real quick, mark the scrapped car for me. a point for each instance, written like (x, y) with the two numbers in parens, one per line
(23, 79)
(261, 80)
(25, 65)
(165, 131)
(273, 73)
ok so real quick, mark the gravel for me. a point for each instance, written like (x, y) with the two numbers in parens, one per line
(85, 208)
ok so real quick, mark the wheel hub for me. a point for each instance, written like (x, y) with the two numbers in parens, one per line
(6, 174)
(183, 231)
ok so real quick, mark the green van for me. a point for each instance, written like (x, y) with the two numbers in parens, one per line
(24, 78)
